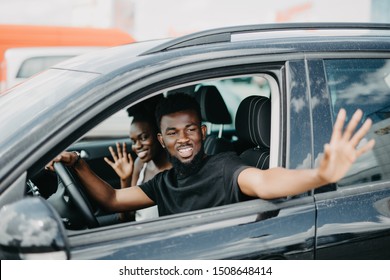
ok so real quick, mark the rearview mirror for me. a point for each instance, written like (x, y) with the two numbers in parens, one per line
(32, 229)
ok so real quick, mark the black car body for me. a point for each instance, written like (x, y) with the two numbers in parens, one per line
(308, 71)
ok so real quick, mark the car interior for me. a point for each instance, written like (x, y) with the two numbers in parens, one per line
(236, 111)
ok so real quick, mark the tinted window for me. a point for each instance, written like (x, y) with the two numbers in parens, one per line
(364, 84)
(234, 90)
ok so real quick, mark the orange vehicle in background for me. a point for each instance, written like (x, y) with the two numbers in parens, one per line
(22, 36)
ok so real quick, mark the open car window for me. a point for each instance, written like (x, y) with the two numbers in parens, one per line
(94, 145)
(116, 126)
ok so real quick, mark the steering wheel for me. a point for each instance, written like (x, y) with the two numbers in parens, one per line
(76, 193)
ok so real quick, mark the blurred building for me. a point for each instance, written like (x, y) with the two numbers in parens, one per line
(104, 14)
(147, 19)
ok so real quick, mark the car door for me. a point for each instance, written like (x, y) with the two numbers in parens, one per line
(353, 216)
(94, 152)
(255, 229)
(249, 230)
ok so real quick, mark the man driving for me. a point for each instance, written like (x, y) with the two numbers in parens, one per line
(198, 181)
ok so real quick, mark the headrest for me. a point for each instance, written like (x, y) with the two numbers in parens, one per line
(253, 120)
(212, 106)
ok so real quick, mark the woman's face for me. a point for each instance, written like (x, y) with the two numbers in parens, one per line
(144, 140)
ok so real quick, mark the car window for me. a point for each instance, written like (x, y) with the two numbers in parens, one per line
(34, 65)
(364, 84)
(94, 145)
(234, 90)
(116, 126)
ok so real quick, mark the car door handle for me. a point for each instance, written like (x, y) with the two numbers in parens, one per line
(84, 154)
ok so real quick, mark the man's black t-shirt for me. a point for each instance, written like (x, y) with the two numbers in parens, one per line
(213, 185)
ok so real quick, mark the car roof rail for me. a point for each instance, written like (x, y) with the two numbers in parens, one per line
(220, 35)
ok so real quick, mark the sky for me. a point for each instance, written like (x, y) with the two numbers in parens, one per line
(201, 14)
(148, 19)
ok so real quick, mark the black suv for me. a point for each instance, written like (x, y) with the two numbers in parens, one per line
(307, 72)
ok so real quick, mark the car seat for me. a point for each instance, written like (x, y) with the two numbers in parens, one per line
(253, 123)
(214, 111)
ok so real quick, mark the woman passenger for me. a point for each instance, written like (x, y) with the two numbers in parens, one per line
(151, 158)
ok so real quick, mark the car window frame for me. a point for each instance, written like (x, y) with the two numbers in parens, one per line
(276, 121)
(274, 67)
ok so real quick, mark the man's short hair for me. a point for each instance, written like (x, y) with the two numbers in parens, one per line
(174, 103)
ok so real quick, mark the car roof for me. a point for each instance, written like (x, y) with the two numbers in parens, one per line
(277, 38)
(275, 31)
(109, 59)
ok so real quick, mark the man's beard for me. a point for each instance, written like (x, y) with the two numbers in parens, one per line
(185, 169)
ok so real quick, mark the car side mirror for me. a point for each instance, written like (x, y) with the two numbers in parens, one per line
(32, 229)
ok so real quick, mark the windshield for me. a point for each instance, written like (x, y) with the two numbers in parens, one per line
(29, 101)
